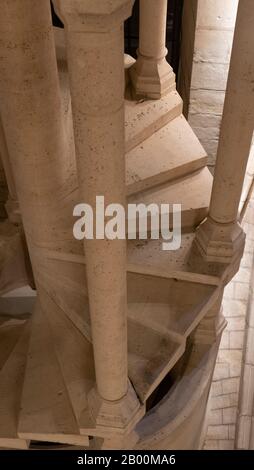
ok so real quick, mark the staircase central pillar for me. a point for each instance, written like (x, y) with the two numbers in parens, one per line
(31, 121)
(151, 75)
(220, 238)
(95, 51)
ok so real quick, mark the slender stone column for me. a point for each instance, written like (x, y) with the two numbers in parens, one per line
(151, 75)
(95, 51)
(220, 238)
(31, 114)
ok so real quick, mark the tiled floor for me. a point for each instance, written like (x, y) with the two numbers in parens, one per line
(224, 395)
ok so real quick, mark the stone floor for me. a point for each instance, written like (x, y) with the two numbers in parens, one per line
(224, 396)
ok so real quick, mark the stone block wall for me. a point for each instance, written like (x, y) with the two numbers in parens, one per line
(232, 391)
(207, 35)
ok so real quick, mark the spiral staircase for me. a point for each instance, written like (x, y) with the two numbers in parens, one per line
(46, 355)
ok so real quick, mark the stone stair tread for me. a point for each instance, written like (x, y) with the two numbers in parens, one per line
(11, 382)
(152, 352)
(151, 355)
(75, 356)
(160, 319)
(170, 153)
(192, 192)
(192, 383)
(147, 257)
(153, 349)
(159, 303)
(186, 263)
(46, 412)
(144, 117)
(66, 284)
(15, 444)
(146, 263)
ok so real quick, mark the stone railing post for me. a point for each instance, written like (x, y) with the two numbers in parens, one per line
(152, 76)
(95, 51)
(220, 238)
(212, 325)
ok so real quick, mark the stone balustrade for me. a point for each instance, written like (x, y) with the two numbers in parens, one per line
(152, 76)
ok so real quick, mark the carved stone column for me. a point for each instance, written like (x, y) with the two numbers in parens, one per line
(212, 325)
(152, 76)
(220, 238)
(95, 50)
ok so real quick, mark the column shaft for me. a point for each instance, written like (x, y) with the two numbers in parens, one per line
(151, 75)
(152, 38)
(96, 67)
(32, 117)
(220, 238)
(238, 121)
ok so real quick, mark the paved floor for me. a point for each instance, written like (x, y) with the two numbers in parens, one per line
(224, 395)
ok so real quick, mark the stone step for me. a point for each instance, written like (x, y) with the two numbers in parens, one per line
(194, 375)
(49, 384)
(65, 284)
(170, 153)
(46, 411)
(149, 257)
(75, 356)
(144, 117)
(168, 305)
(186, 263)
(192, 192)
(18, 304)
(147, 365)
(60, 369)
(159, 321)
(11, 382)
(151, 353)
(166, 272)
(144, 259)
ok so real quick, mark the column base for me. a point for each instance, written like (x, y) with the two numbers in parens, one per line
(152, 79)
(113, 418)
(222, 243)
(210, 329)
